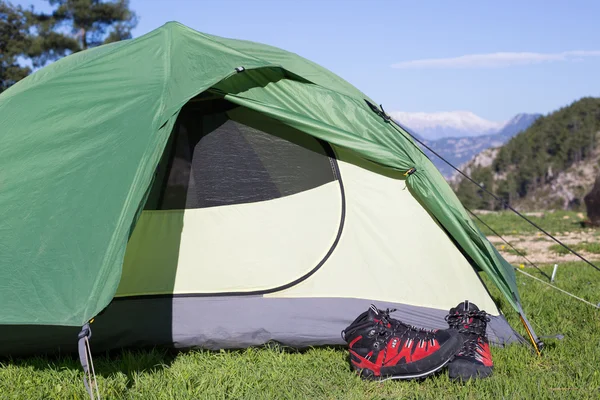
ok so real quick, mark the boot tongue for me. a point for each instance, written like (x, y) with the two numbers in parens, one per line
(468, 306)
(374, 313)
(474, 325)
(378, 316)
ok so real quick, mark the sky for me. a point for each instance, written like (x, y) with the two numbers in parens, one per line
(495, 59)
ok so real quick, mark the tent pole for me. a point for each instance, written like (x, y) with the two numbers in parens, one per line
(538, 345)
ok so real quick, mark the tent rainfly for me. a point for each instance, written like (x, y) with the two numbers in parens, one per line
(186, 190)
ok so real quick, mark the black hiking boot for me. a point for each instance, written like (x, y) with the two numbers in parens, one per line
(384, 348)
(474, 360)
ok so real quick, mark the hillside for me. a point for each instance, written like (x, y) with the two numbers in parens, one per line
(459, 150)
(551, 165)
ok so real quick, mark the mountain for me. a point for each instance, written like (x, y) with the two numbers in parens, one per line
(516, 125)
(459, 150)
(433, 126)
(550, 165)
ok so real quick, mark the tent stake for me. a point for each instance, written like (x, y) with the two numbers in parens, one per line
(554, 272)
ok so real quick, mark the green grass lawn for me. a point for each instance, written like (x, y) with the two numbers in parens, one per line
(593, 247)
(569, 368)
(509, 223)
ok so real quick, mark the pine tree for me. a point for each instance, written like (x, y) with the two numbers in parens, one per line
(29, 39)
(93, 22)
(14, 42)
(533, 158)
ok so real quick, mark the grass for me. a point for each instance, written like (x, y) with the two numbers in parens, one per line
(588, 247)
(567, 369)
(508, 223)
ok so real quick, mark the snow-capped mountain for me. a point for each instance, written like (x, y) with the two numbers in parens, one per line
(459, 150)
(439, 125)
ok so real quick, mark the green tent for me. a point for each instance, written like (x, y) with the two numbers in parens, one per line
(228, 175)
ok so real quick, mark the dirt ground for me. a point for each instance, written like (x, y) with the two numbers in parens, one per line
(537, 247)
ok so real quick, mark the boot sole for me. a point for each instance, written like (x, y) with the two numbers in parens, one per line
(453, 345)
(367, 374)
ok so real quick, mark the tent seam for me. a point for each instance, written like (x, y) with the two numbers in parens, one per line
(155, 129)
(167, 74)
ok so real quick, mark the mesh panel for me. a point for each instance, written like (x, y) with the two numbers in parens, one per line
(215, 161)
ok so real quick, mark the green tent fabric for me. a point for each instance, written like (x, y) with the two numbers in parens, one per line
(81, 139)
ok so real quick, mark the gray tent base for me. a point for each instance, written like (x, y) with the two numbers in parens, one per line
(223, 323)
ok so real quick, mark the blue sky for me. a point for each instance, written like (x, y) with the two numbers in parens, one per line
(551, 49)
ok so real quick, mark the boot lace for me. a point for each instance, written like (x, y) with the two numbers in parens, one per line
(469, 322)
(472, 323)
(405, 330)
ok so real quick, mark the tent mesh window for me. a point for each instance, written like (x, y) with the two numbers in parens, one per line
(212, 160)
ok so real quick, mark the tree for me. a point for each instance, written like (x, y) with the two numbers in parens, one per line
(530, 162)
(14, 42)
(29, 37)
(92, 22)
(46, 43)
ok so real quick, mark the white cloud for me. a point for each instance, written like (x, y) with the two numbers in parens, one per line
(497, 60)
